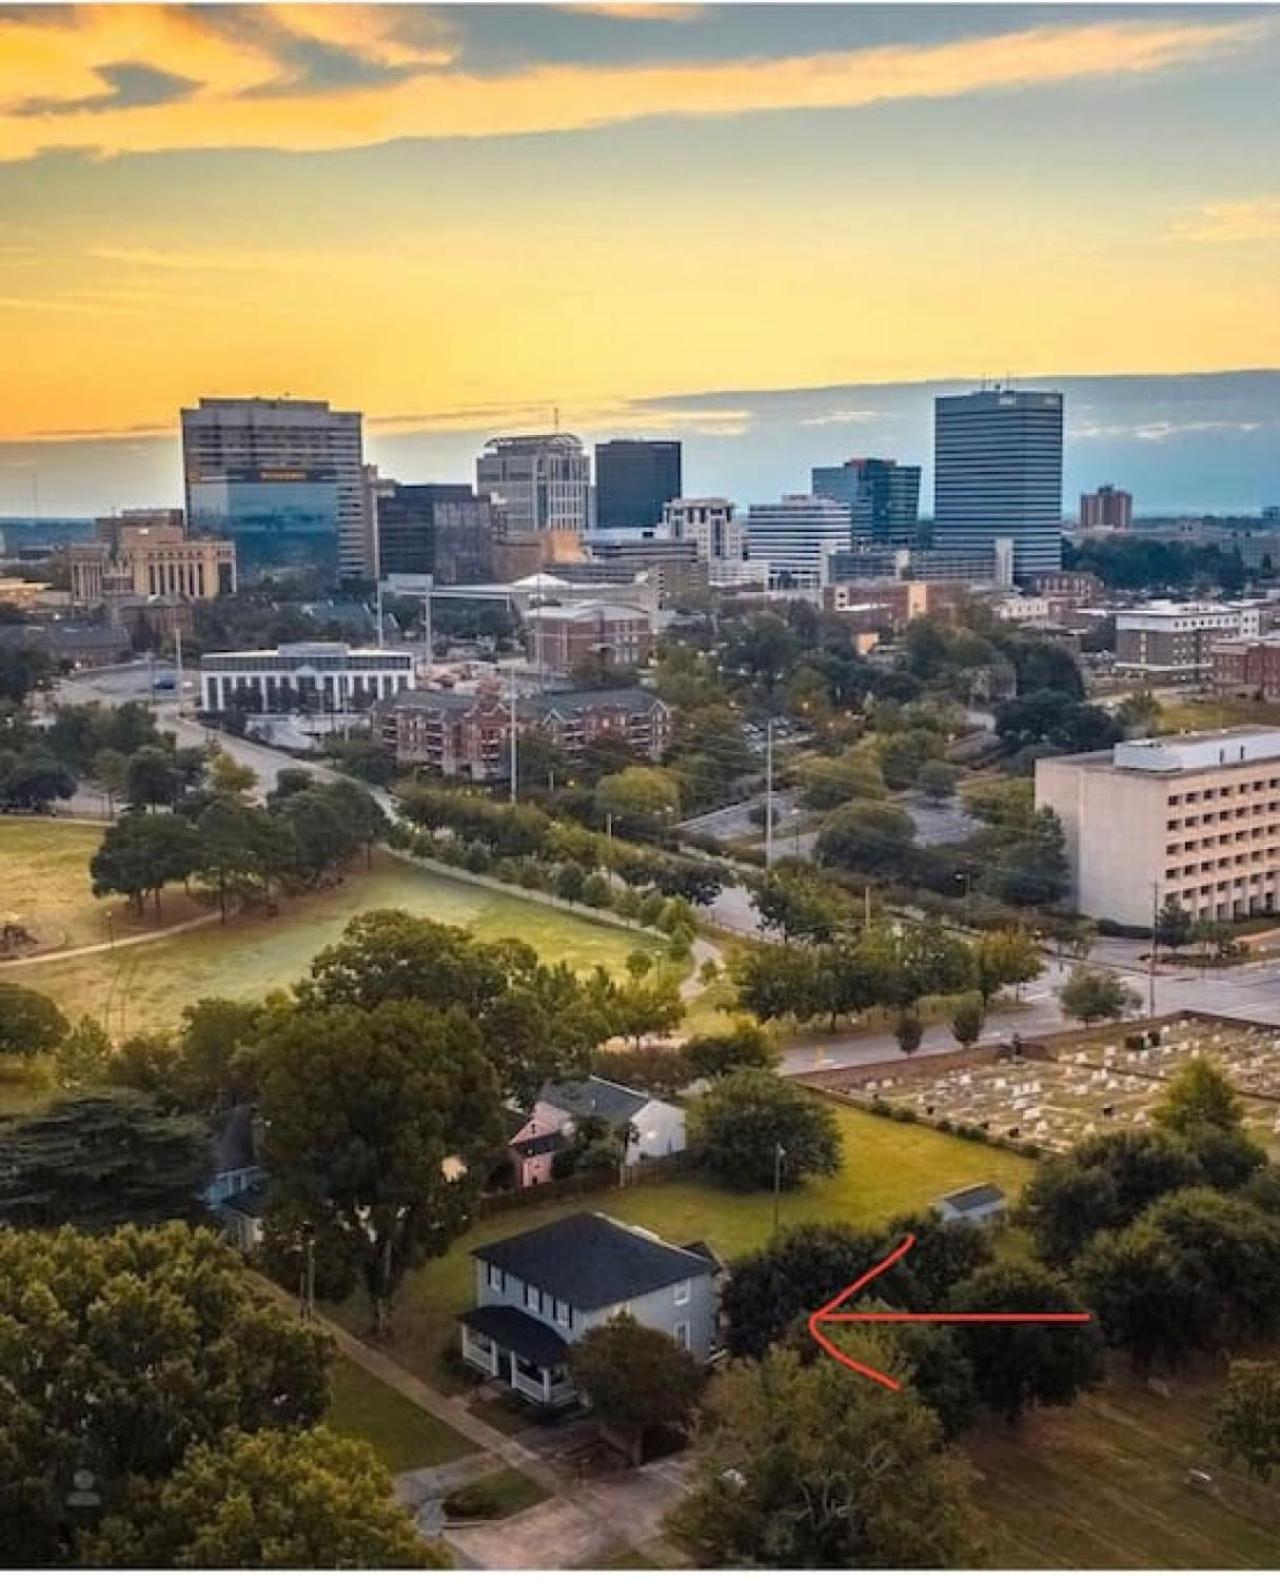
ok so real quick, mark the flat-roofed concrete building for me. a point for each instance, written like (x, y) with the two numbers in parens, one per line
(1172, 643)
(1195, 817)
(302, 677)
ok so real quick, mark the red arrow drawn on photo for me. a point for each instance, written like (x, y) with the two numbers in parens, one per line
(831, 1313)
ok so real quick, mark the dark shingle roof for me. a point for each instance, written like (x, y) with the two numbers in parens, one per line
(530, 1339)
(536, 1146)
(233, 1142)
(971, 1196)
(600, 1099)
(251, 1202)
(591, 1261)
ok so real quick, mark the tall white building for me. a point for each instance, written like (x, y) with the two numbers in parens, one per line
(1192, 817)
(797, 534)
(283, 478)
(708, 523)
(542, 479)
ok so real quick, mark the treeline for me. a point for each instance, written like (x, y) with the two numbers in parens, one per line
(236, 852)
(119, 750)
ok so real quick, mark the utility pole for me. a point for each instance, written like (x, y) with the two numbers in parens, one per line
(866, 905)
(177, 644)
(779, 1152)
(608, 844)
(1155, 944)
(512, 729)
(426, 620)
(768, 794)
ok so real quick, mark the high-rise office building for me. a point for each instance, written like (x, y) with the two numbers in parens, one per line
(434, 529)
(542, 481)
(634, 479)
(283, 479)
(883, 496)
(797, 534)
(998, 474)
(1107, 507)
(709, 524)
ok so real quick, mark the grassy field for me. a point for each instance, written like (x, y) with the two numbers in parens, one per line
(44, 884)
(145, 987)
(1104, 1486)
(505, 1492)
(1215, 713)
(402, 1436)
(888, 1168)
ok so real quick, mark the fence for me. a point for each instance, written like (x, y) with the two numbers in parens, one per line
(648, 1171)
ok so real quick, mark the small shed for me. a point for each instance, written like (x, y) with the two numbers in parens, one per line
(980, 1204)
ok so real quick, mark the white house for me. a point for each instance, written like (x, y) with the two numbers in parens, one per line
(654, 1128)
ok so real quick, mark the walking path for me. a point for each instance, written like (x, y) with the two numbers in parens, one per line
(109, 948)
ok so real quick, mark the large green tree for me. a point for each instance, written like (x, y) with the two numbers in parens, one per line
(1088, 995)
(101, 1159)
(118, 1354)
(636, 1379)
(30, 1023)
(1246, 1424)
(266, 1500)
(382, 1123)
(753, 1126)
(804, 1469)
(142, 853)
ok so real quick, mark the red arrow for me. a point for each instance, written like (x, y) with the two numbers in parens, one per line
(829, 1313)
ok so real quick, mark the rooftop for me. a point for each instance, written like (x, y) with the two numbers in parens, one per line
(1205, 749)
(969, 1197)
(591, 1261)
(595, 1097)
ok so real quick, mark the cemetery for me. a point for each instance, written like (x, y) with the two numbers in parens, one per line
(1054, 1094)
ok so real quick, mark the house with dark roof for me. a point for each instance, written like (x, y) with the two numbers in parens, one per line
(651, 1128)
(237, 1189)
(978, 1204)
(539, 1292)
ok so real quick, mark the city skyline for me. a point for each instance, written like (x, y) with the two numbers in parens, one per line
(457, 220)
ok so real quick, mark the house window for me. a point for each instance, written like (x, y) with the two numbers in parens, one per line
(682, 1293)
(562, 1314)
(495, 1277)
(532, 1298)
(682, 1336)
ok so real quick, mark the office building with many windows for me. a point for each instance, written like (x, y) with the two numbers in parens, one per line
(302, 677)
(283, 479)
(634, 479)
(796, 535)
(883, 496)
(1106, 509)
(443, 530)
(998, 474)
(542, 481)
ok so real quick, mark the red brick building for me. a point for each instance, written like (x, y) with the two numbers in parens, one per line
(1247, 667)
(561, 635)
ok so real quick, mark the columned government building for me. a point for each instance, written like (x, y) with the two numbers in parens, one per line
(303, 677)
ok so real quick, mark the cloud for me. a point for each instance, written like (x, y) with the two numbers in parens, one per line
(1157, 432)
(248, 96)
(832, 418)
(640, 11)
(1257, 220)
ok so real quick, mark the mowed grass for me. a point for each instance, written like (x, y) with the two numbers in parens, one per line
(889, 1168)
(403, 1436)
(145, 987)
(1215, 713)
(45, 887)
(1103, 1485)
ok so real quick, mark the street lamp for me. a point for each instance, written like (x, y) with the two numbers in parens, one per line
(111, 930)
(967, 879)
(779, 1152)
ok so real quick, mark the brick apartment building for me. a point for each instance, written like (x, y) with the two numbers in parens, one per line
(1247, 668)
(1172, 643)
(468, 735)
(560, 636)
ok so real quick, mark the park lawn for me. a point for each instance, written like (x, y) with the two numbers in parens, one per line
(889, 1168)
(1215, 713)
(45, 886)
(403, 1436)
(1103, 1486)
(145, 987)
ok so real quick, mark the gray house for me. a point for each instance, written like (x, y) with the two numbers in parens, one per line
(980, 1204)
(539, 1292)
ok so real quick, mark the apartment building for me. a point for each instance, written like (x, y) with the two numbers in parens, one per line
(560, 636)
(1164, 643)
(467, 735)
(1195, 817)
(1246, 667)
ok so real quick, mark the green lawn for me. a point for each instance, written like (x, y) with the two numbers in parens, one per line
(1214, 713)
(888, 1168)
(505, 1492)
(145, 987)
(403, 1436)
(1103, 1486)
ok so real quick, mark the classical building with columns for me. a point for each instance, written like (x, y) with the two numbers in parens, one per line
(148, 554)
(303, 677)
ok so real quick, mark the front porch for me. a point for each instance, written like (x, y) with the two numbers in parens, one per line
(514, 1349)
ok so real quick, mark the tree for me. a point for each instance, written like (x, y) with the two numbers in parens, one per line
(34, 780)
(714, 1054)
(650, 1005)
(1173, 924)
(1088, 995)
(1246, 1424)
(1018, 1366)
(908, 1031)
(903, 756)
(143, 852)
(804, 1470)
(152, 780)
(752, 1121)
(273, 1500)
(828, 782)
(101, 1159)
(937, 780)
(30, 1023)
(82, 1055)
(1031, 868)
(1199, 1096)
(799, 903)
(383, 1123)
(228, 859)
(122, 1352)
(1006, 958)
(229, 777)
(635, 1378)
(865, 836)
(110, 770)
(641, 800)
(967, 1019)
(774, 980)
